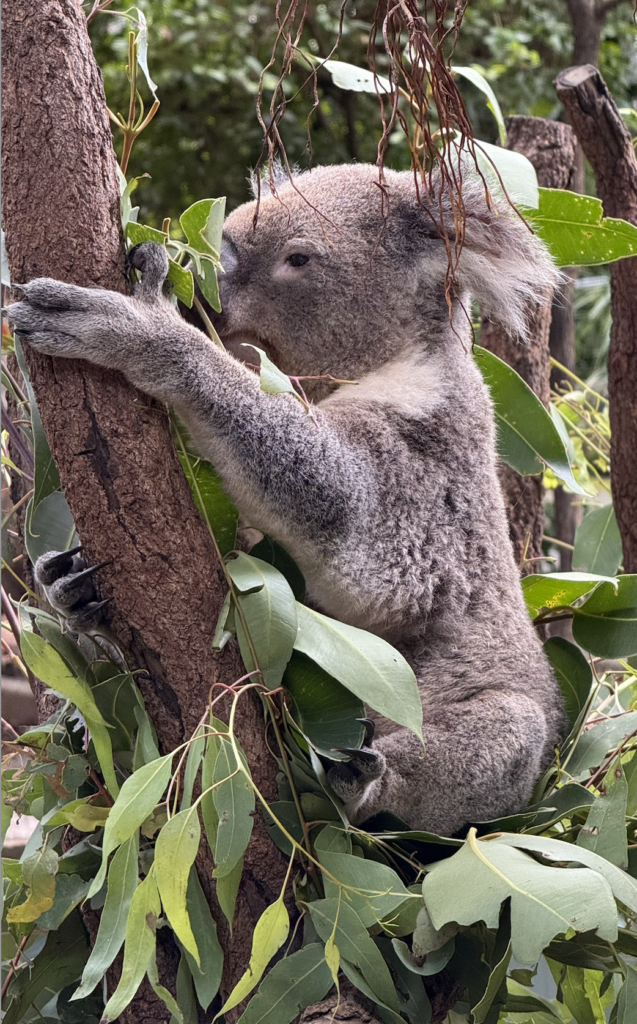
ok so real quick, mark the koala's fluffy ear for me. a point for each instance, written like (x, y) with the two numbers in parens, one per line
(503, 264)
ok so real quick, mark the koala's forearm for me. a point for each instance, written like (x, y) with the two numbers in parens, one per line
(274, 458)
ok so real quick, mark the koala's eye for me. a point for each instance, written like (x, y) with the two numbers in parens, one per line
(297, 259)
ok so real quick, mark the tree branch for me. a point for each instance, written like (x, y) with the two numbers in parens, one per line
(608, 147)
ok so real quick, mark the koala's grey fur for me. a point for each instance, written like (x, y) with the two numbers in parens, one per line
(388, 499)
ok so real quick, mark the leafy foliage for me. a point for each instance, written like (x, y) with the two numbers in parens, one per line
(553, 887)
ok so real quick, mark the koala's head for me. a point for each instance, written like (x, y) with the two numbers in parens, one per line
(342, 274)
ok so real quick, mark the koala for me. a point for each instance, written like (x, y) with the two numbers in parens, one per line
(387, 496)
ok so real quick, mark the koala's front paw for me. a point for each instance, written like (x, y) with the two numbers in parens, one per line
(103, 327)
(351, 779)
(70, 589)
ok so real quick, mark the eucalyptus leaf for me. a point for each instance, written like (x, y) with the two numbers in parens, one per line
(270, 932)
(206, 978)
(58, 964)
(527, 436)
(545, 901)
(182, 282)
(598, 543)
(477, 78)
(557, 589)
(576, 231)
(175, 851)
(606, 624)
(325, 711)
(218, 512)
(605, 830)
(597, 740)
(355, 79)
(352, 939)
(573, 674)
(47, 665)
(270, 614)
(294, 983)
(137, 799)
(202, 224)
(233, 800)
(39, 876)
(69, 891)
(122, 883)
(49, 527)
(365, 664)
(139, 946)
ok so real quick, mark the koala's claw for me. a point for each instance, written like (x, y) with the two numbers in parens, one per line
(54, 564)
(370, 729)
(351, 779)
(151, 260)
(70, 588)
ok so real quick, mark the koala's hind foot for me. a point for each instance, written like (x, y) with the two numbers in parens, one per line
(351, 779)
(70, 588)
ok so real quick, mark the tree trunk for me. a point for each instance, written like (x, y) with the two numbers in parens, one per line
(608, 147)
(549, 145)
(112, 446)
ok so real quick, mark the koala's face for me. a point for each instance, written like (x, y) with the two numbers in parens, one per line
(327, 282)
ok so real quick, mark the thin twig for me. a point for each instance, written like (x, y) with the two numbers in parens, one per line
(14, 964)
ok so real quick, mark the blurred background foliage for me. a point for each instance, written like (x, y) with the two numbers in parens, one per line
(206, 59)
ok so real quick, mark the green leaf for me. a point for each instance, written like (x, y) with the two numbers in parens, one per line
(573, 674)
(577, 233)
(269, 551)
(69, 891)
(598, 543)
(623, 887)
(193, 763)
(556, 589)
(269, 608)
(574, 995)
(138, 233)
(355, 945)
(293, 984)
(138, 797)
(227, 890)
(122, 883)
(234, 803)
(162, 992)
(39, 875)
(498, 167)
(354, 79)
(365, 664)
(605, 830)
(139, 946)
(546, 901)
(182, 282)
(46, 479)
(373, 890)
(185, 994)
(45, 663)
(596, 741)
(207, 978)
(627, 999)
(272, 380)
(386, 1014)
(270, 932)
(606, 624)
(58, 964)
(215, 507)
(127, 211)
(202, 224)
(50, 527)
(527, 436)
(476, 78)
(325, 711)
(496, 979)
(175, 852)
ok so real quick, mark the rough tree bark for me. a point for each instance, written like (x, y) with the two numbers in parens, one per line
(549, 145)
(608, 147)
(112, 446)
